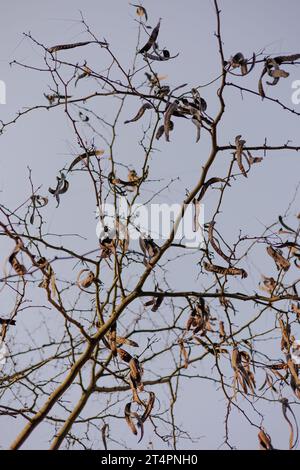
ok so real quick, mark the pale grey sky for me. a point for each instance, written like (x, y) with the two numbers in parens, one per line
(44, 141)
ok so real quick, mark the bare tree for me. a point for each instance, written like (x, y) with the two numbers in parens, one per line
(100, 304)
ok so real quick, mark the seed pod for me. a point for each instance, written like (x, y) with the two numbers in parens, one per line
(124, 355)
(61, 47)
(264, 440)
(239, 152)
(86, 73)
(215, 244)
(222, 333)
(235, 358)
(61, 187)
(151, 40)
(209, 183)
(281, 262)
(129, 342)
(135, 369)
(85, 155)
(184, 353)
(87, 281)
(140, 113)
(149, 406)
(16, 265)
(224, 271)
(128, 419)
(167, 119)
(269, 284)
(141, 11)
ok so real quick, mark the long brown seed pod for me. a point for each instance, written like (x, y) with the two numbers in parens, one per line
(160, 57)
(62, 187)
(286, 58)
(279, 366)
(213, 268)
(104, 432)
(286, 407)
(87, 281)
(184, 353)
(281, 262)
(124, 355)
(85, 155)
(260, 83)
(16, 265)
(239, 153)
(61, 47)
(128, 342)
(235, 358)
(196, 119)
(264, 440)
(7, 321)
(214, 243)
(128, 419)
(135, 370)
(269, 284)
(167, 119)
(140, 11)
(140, 113)
(222, 333)
(149, 407)
(209, 183)
(157, 303)
(151, 40)
(86, 73)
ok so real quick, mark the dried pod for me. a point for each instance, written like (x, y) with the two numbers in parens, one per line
(85, 155)
(222, 333)
(215, 244)
(128, 418)
(213, 268)
(87, 281)
(209, 183)
(184, 353)
(264, 440)
(268, 284)
(86, 73)
(157, 303)
(141, 11)
(61, 47)
(296, 309)
(235, 358)
(171, 108)
(16, 265)
(281, 262)
(149, 248)
(251, 160)
(285, 408)
(239, 152)
(7, 321)
(135, 370)
(61, 187)
(151, 40)
(140, 113)
(124, 355)
(128, 342)
(149, 406)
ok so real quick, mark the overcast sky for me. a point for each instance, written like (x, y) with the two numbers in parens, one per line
(44, 141)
